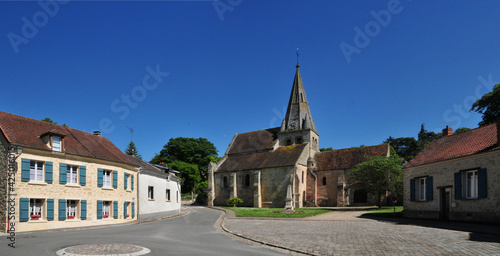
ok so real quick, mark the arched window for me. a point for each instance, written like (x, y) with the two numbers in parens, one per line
(302, 176)
(224, 182)
(324, 181)
(247, 180)
(298, 140)
(288, 142)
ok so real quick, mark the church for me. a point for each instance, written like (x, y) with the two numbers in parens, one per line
(259, 166)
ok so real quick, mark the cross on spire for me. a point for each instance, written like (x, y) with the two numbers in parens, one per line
(298, 58)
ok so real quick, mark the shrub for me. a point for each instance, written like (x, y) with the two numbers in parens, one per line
(234, 201)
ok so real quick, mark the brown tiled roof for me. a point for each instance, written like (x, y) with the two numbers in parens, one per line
(282, 156)
(347, 158)
(26, 132)
(458, 145)
(254, 141)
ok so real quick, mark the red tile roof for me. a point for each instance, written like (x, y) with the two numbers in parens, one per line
(282, 156)
(472, 142)
(255, 141)
(26, 132)
(347, 158)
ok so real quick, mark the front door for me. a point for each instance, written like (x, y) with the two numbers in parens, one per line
(445, 203)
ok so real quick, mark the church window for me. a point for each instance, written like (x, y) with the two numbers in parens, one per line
(247, 180)
(298, 140)
(302, 176)
(224, 182)
(301, 98)
(288, 142)
(324, 181)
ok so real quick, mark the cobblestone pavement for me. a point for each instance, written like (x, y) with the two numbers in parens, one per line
(324, 236)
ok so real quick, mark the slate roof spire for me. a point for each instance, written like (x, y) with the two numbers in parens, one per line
(298, 115)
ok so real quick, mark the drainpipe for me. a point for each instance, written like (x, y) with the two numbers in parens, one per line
(138, 175)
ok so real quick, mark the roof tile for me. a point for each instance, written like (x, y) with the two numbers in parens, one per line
(347, 158)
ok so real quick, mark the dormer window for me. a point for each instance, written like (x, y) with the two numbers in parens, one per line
(54, 140)
(56, 143)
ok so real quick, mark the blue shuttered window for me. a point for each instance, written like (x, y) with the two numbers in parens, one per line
(50, 209)
(115, 179)
(429, 192)
(63, 170)
(482, 186)
(99, 209)
(83, 209)
(412, 190)
(83, 175)
(124, 210)
(133, 210)
(99, 177)
(132, 182)
(125, 181)
(48, 172)
(458, 185)
(62, 209)
(115, 209)
(25, 170)
(24, 208)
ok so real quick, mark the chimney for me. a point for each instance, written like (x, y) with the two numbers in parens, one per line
(97, 133)
(447, 131)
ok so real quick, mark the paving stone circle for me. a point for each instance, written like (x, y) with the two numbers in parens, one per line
(104, 249)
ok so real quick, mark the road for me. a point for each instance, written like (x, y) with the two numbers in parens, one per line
(191, 234)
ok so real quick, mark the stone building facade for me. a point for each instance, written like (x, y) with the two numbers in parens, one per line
(259, 166)
(456, 178)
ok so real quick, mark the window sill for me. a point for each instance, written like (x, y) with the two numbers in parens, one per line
(37, 221)
(73, 220)
(168, 201)
(73, 185)
(149, 199)
(42, 183)
(128, 190)
(108, 188)
(107, 219)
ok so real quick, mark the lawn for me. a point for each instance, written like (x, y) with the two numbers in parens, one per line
(275, 212)
(385, 212)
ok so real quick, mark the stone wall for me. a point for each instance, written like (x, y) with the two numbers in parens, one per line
(485, 209)
(4, 170)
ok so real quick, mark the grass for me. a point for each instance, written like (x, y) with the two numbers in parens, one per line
(385, 212)
(275, 212)
(187, 196)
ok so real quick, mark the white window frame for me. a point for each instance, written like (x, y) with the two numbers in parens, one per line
(471, 184)
(167, 195)
(36, 207)
(128, 180)
(106, 209)
(151, 192)
(421, 189)
(106, 178)
(56, 143)
(72, 208)
(72, 174)
(37, 174)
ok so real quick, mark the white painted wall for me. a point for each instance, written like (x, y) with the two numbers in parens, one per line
(159, 205)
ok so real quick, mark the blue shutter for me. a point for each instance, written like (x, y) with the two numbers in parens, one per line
(99, 209)
(132, 182)
(458, 185)
(99, 177)
(482, 186)
(115, 209)
(115, 179)
(24, 209)
(125, 181)
(412, 190)
(133, 210)
(50, 209)
(83, 209)
(83, 175)
(62, 209)
(124, 210)
(25, 171)
(63, 172)
(429, 189)
(48, 172)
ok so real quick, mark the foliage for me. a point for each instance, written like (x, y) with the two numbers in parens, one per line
(202, 187)
(461, 130)
(132, 148)
(379, 174)
(188, 172)
(488, 106)
(234, 201)
(48, 120)
(215, 159)
(325, 149)
(405, 147)
(276, 212)
(425, 138)
(385, 212)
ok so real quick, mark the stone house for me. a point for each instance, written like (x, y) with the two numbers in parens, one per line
(259, 166)
(63, 178)
(456, 177)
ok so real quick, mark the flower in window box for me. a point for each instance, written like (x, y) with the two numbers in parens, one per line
(71, 216)
(35, 216)
(105, 215)
(128, 215)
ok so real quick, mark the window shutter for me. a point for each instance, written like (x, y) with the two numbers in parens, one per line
(482, 186)
(50, 209)
(48, 172)
(25, 171)
(62, 209)
(412, 190)
(83, 175)
(458, 185)
(124, 210)
(99, 209)
(63, 170)
(429, 189)
(132, 182)
(115, 179)
(24, 209)
(115, 209)
(83, 209)
(99, 178)
(125, 181)
(133, 210)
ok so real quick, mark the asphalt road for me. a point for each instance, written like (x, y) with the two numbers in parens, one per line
(191, 234)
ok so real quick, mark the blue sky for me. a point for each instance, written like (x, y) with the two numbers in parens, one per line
(188, 69)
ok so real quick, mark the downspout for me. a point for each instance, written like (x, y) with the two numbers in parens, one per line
(138, 174)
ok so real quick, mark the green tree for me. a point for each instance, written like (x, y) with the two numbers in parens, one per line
(325, 149)
(488, 106)
(425, 138)
(132, 150)
(188, 172)
(461, 130)
(405, 147)
(377, 175)
(48, 120)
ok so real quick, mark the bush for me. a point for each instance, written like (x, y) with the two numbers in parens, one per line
(234, 201)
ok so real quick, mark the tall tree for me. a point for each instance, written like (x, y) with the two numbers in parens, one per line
(488, 106)
(377, 175)
(132, 150)
(405, 147)
(425, 138)
(189, 173)
(461, 130)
